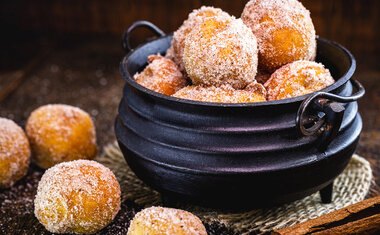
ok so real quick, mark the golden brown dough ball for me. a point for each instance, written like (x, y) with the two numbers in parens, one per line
(254, 92)
(296, 79)
(161, 75)
(196, 17)
(80, 197)
(59, 133)
(284, 31)
(221, 50)
(161, 220)
(14, 153)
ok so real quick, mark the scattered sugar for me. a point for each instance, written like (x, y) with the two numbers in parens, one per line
(103, 81)
(54, 68)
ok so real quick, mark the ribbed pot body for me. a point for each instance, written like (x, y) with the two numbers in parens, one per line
(231, 155)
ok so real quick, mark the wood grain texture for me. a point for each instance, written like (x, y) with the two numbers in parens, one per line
(350, 22)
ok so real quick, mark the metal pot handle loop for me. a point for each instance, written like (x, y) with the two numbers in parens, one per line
(145, 24)
(329, 114)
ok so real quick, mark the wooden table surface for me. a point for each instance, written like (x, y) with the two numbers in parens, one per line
(83, 71)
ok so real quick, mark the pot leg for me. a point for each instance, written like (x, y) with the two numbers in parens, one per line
(326, 193)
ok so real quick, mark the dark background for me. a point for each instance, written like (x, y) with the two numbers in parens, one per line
(68, 51)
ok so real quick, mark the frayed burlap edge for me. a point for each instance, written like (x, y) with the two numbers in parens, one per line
(350, 187)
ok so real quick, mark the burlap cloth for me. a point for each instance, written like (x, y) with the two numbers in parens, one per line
(350, 187)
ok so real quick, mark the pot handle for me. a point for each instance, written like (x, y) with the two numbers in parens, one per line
(329, 115)
(145, 24)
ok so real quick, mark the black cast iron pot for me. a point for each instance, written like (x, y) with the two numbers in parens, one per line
(239, 155)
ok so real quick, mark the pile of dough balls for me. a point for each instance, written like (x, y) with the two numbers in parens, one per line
(59, 133)
(220, 57)
(80, 197)
(161, 220)
(14, 153)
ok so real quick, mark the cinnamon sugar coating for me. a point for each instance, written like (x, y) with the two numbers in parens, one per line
(14, 153)
(161, 220)
(296, 79)
(161, 75)
(59, 133)
(254, 92)
(222, 50)
(284, 31)
(77, 197)
(175, 52)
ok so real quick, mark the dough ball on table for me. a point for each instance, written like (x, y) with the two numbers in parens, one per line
(14, 153)
(221, 50)
(175, 52)
(284, 31)
(254, 92)
(59, 133)
(161, 75)
(296, 79)
(161, 220)
(80, 197)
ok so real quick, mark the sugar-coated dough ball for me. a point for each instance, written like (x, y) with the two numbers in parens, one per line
(284, 31)
(254, 92)
(14, 153)
(161, 75)
(296, 79)
(80, 197)
(196, 17)
(221, 50)
(59, 133)
(161, 220)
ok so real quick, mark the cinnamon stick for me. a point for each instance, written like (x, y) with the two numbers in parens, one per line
(360, 218)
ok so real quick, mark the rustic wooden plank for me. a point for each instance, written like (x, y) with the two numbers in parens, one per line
(350, 22)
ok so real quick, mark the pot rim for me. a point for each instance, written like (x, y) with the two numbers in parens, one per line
(339, 82)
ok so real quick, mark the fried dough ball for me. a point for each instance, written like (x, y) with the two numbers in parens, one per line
(80, 197)
(161, 75)
(161, 220)
(59, 133)
(254, 92)
(262, 76)
(221, 50)
(296, 79)
(284, 31)
(14, 153)
(196, 17)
